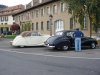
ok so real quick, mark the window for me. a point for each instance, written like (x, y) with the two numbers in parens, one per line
(54, 9)
(42, 12)
(32, 14)
(19, 18)
(32, 26)
(16, 18)
(22, 17)
(62, 7)
(37, 13)
(2, 18)
(48, 10)
(59, 25)
(25, 16)
(42, 27)
(13, 18)
(71, 23)
(28, 16)
(48, 25)
(36, 25)
(6, 18)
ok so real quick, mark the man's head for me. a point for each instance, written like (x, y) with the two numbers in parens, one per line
(77, 28)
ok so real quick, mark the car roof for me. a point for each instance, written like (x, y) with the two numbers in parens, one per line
(26, 33)
(67, 31)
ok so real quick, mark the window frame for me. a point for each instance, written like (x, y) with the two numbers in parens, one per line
(37, 26)
(48, 25)
(62, 7)
(42, 25)
(54, 9)
(48, 10)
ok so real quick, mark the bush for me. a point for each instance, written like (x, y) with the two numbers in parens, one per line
(10, 36)
(2, 35)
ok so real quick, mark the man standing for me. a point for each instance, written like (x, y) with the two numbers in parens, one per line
(78, 34)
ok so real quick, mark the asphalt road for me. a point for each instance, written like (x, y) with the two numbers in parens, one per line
(43, 61)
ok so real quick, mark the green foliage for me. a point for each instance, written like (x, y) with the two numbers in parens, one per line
(10, 36)
(81, 21)
(2, 6)
(80, 8)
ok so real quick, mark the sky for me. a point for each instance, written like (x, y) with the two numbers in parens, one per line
(14, 2)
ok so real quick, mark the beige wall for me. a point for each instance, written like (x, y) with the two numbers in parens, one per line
(64, 16)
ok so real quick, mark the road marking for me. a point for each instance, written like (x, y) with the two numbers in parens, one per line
(45, 54)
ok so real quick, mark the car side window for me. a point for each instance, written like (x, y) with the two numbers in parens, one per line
(35, 34)
(70, 34)
(38, 34)
(28, 34)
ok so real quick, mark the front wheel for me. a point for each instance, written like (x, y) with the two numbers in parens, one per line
(93, 45)
(65, 47)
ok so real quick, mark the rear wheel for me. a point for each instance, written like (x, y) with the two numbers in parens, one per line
(93, 45)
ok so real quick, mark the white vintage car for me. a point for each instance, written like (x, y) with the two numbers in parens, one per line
(29, 38)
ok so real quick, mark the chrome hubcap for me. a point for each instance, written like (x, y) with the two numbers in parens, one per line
(93, 45)
(65, 47)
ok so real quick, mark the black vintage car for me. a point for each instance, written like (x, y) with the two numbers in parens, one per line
(64, 40)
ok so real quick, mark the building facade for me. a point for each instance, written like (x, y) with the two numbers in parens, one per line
(6, 18)
(48, 17)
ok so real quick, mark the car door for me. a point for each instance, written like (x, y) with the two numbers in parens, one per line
(27, 38)
(36, 39)
(84, 41)
(69, 35)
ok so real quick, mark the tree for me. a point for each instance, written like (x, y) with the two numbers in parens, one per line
(96, 19)
(2, 6)
(15, 28)
(80, 8)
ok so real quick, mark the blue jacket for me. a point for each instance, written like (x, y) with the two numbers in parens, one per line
(78, 34)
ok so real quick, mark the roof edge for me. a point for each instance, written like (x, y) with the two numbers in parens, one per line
(33, 7)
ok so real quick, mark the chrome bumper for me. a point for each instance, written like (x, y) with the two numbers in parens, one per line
(49, 46)
(11, 43)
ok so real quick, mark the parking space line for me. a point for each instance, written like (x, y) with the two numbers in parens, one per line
(48, 55)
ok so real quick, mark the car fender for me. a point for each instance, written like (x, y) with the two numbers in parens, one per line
(89, 41)
(19, 41)
(62, 42)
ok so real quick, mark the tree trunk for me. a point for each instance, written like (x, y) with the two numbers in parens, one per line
(90, 25)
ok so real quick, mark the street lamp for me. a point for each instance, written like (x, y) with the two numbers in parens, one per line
(50, 24)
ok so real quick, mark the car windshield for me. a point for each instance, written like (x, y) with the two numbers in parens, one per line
(59, 33)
